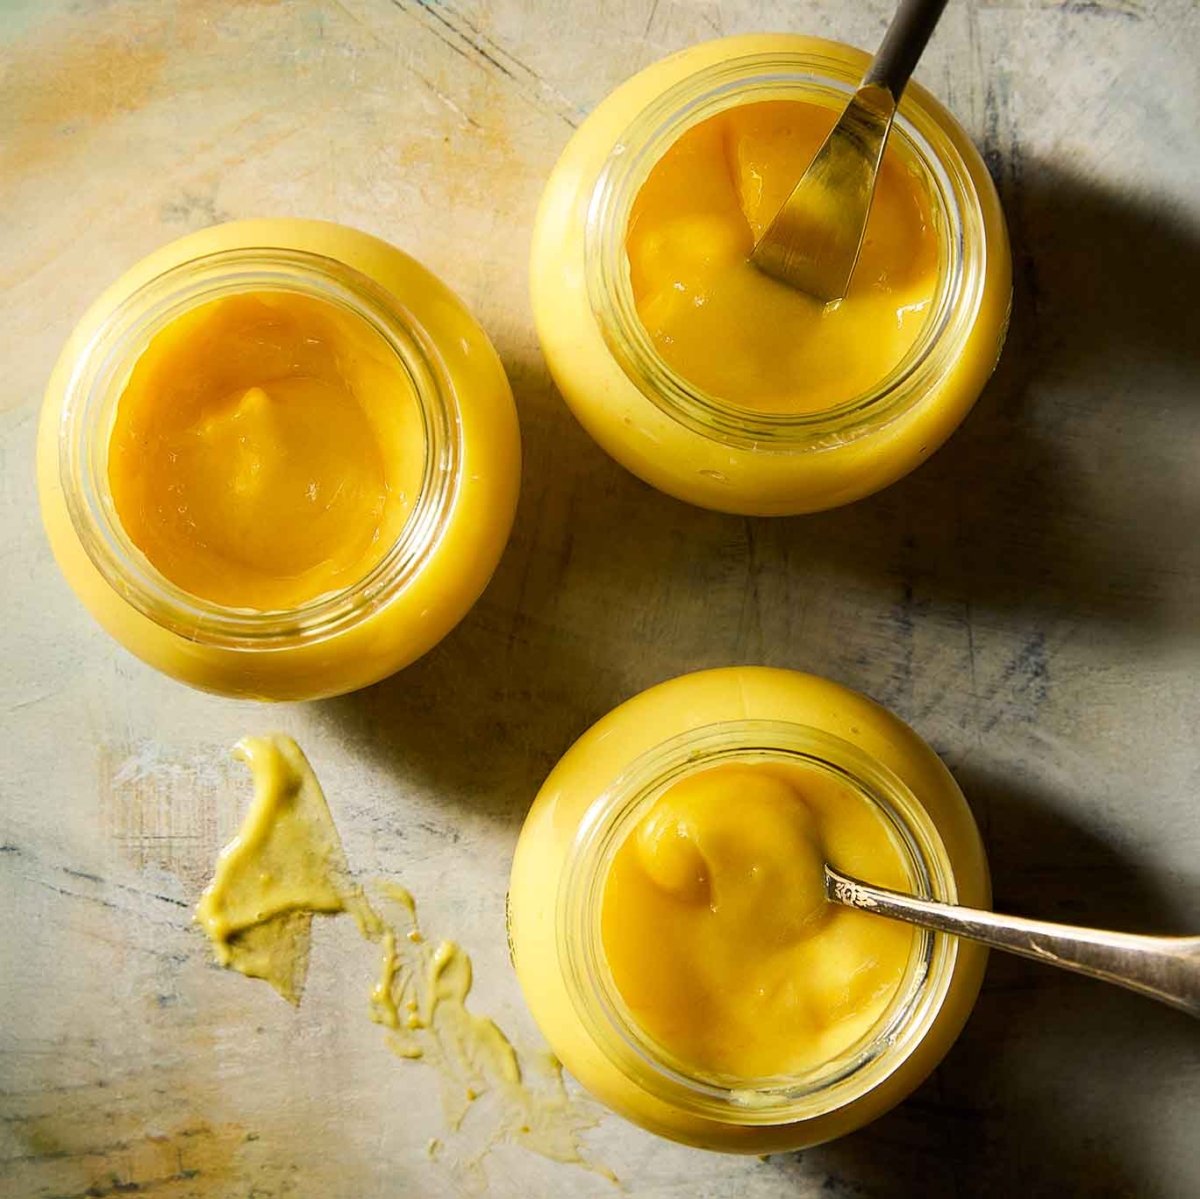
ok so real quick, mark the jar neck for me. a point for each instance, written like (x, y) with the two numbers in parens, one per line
(827, 80)
(102, 371)
(596, 999)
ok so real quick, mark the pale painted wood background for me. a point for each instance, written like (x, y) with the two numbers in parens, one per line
(1028, 600)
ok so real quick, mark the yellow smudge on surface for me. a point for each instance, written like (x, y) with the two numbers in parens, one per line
(287, 865)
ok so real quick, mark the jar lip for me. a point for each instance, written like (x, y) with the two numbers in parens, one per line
(97, 378)
(605, 826)
(749, 78)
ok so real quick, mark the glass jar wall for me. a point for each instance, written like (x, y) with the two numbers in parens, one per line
(703, 447)
(600, 791)
(452, 419)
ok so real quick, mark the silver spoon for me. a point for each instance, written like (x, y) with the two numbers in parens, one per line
(1164, 968)
(814, 240)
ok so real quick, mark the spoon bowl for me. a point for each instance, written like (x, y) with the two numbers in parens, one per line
(814, 241)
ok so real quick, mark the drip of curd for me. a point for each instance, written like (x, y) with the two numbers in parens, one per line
(266, 450)
(717, 932)
(286, 866)
(733, 331)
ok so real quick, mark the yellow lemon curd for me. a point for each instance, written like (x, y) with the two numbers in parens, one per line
(711, 381)
(718, 933)
(730, 329)
(278, 459)
(668, 925)
(265, 450)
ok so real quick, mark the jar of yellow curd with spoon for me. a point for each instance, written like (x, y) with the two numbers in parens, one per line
(703, 376)
(278, 459)
(668, 924)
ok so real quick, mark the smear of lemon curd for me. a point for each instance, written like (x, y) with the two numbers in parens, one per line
(287, 865)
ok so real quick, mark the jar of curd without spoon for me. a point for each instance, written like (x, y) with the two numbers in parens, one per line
(668, 924)
(278, 459)
(710, 380)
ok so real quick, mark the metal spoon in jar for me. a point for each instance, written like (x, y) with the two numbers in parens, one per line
(814, 240)
(1164, 968)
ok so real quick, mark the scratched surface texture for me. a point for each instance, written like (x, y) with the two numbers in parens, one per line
(1029, 600)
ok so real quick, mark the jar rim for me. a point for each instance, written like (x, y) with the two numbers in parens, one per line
(715, 88)
(97, 378)
(610, 819)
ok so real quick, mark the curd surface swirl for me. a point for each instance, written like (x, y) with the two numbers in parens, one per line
(718, 933)
(266, 449)
(732, 330)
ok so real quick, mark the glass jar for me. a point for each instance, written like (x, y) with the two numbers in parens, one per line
(599, 792)
(452, 537)
(692, 444)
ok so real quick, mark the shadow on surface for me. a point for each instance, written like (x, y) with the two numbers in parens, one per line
(1045, 864)
(484, 715)
(1071, 487)
(1059, 499)
(1018, 1107)
(481, 719)
(1064, 496)
(1068, 494)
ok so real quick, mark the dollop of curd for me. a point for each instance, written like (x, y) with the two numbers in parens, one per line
(266, 449)
(733, 331)
(716, 928)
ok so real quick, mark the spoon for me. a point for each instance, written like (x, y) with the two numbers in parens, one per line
(814, 240)
(1164, 968)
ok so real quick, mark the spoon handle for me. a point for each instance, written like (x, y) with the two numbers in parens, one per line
(1165, 968)
(903, 44)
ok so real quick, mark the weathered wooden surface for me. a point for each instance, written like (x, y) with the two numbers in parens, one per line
(1029, 600)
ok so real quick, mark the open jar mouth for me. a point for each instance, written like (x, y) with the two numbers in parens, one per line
(782, 1099)
(824, 79)
(99, 376)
